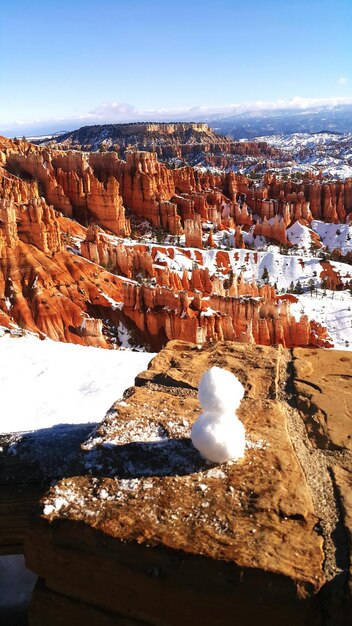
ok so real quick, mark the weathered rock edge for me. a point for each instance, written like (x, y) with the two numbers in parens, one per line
(150, 532)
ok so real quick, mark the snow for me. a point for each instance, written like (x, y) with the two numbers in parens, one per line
(299, 235)
(334, 235)
(208, 313)
(114, 304)
(218, 434)
(124, 336)
(16, 581)
(220, 391)
(45, 383)
(329, 153)
(334, 310)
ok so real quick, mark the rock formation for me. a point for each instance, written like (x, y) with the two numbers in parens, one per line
(37, 183)
(237, 318)
(190, 142)
(44, 287)
(140, 535)
(330, 202)
(68, 182)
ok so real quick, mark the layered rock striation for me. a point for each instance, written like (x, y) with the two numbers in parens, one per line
(191, 142)
(145, 525)
(44, 287)
(41, 190)
(198, 306)
(98, 186)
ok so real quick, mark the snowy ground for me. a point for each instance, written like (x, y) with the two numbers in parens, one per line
(327, 152)
(44, 383)
(334, 310)
(16, 582)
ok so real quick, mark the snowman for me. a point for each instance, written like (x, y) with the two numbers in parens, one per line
(218, 434)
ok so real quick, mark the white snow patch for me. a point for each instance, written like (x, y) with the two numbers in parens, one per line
(333, 310)
(334, 235)
(16, 581)
(61, 383)
(299, 235)
(114, 304)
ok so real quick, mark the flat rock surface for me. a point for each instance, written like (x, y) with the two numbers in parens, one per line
(148, 518)
(323, 385)
(148, 484)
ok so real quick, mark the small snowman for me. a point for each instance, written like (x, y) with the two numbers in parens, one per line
(218, 434)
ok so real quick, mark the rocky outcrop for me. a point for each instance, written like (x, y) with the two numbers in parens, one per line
(193, 232)
(187, 202)
(38, 225)
(51, 295)
(198, 306)
(328, 422)
(99, 184)
(313, 199)
(190, 142)
(45, 288)
(68, 182)
(140, 535)
(242, 318)
(275, 229)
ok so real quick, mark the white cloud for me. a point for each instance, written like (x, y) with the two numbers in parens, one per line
(128, 112)
(123, 112)
(342, 80)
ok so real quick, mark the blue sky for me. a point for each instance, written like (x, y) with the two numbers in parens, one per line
(75, 60)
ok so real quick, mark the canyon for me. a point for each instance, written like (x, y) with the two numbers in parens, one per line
(76, 258)
(190, 143)
(124, 522)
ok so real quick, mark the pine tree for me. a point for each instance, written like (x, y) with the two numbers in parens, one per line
(265, 275)
(299, 288)
(311, 284)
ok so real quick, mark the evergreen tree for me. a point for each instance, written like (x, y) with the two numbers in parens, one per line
(265, 275)
(299, 288)
(311, 284)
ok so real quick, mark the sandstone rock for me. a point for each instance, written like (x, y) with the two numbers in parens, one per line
(193, 232)
(343, 482)
(49, 291)
(38, 225)
(143, 536)
(68, 182)
(318, 376)
(234, 317)
(139, 525)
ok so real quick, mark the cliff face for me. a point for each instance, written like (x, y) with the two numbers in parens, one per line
(246, 319)
(192, 304)
(330, 202)
(190, 142)
(44, 287)
(98, 187)
(68, 182)
(140, 535)
(199, 307)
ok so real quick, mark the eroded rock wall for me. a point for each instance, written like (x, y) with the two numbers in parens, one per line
(140, 535)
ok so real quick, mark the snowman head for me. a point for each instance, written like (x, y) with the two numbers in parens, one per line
(220, 391)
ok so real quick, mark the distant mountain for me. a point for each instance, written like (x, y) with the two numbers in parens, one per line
(164, 138)
(250, 124)
(174, 142)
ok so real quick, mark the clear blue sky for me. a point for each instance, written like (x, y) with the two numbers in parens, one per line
(63, 59)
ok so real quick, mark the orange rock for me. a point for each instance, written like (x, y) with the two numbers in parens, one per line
(193, 232)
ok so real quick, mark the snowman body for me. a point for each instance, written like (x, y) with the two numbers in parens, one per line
(218, 434)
